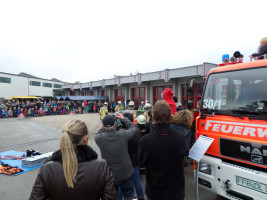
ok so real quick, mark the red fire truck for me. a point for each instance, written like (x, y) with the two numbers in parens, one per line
(234, 114)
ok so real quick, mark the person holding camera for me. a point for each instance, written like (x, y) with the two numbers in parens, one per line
(114, 149)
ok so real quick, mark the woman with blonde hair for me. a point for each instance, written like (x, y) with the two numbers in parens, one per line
(74, 172)
(182, 121)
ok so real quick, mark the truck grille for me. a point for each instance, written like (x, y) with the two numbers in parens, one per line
(243, 151)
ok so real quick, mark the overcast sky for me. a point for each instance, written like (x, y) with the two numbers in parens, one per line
(94, 40)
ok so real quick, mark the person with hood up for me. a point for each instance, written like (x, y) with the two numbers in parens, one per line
(168, 97)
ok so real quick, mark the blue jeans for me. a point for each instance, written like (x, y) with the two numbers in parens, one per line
(126, 186)
(120, 196)
(137, 182)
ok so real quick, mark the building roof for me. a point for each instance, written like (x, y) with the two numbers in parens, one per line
(163, 75)
(56, 80)
(23, 74)
(27, 75)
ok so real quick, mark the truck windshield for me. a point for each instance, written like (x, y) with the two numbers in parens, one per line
(239, 92)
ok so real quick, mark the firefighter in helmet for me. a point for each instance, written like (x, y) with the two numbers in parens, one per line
(148, 107)
(131, 108)
(103, 111)
(118, 107)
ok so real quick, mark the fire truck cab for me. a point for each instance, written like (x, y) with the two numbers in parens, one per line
(234, 114)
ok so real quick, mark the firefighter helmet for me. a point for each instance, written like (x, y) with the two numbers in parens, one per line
(141, 119)
(148, 106)
(131, 103)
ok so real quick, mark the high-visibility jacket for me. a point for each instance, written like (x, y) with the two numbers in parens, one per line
(146, 116)
(134, 121)
(118, 108)
(103, 112)
(134, 113)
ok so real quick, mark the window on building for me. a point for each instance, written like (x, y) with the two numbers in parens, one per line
(119, 95)
(92, 93)
(72, 93)
(157, 90)
(47, 85)
(5, 80)
(57, 86)
(35, 83)
(83, 93)
(197, 94)
(138, 95)
(104, 93)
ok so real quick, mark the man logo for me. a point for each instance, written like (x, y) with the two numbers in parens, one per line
(256, 154)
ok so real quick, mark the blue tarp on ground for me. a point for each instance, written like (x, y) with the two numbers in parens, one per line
(82, 98)
(16, 163)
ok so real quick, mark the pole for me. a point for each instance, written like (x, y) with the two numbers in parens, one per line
(196, 180)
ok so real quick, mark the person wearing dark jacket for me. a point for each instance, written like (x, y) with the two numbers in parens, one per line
(114, 149)
(262, 49)
(74, 172)
(133, 153)
(162, 152)
(182, 121)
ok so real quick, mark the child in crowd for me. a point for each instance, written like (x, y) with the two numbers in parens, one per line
(94, 108)
(60, 110)
(18, 111)
(64, 110)
(29, 113)
(6, 113)
(35, 112)
(68, 109)
(14, 112)
(25, 112)
(39, 112)
(54, 110)
(10, 113)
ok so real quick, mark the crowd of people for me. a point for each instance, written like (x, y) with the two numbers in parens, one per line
(157, 145)
(37, 108)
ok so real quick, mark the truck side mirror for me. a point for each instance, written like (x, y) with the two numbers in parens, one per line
(190, 104)
(190, 86)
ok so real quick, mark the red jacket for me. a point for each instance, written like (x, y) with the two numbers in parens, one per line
(168, 97)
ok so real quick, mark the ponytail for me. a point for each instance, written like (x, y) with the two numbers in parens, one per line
(69, 159)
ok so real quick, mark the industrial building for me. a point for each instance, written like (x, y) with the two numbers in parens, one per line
(144, 86)
(24, 84)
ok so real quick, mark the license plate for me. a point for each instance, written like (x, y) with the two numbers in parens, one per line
(253, 185)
